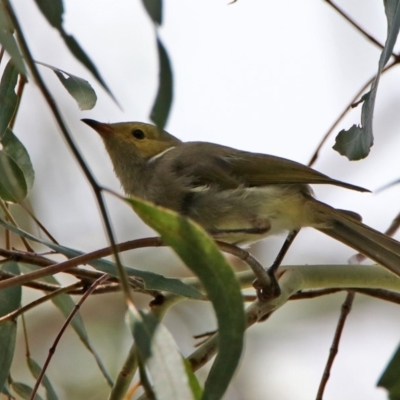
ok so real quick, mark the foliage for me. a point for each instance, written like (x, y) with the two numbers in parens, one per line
(155, 357)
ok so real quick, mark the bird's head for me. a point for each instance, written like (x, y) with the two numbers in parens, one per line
(136, 139)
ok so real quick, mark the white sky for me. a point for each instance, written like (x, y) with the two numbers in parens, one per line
(258, 75)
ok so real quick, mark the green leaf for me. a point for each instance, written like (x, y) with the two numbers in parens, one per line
(17, 151)
(10, 300)
(53, 11)
(7, 40)
(36, 371)
(353, 143)
(8, 97)
(162, 105)
(356, 142)
(78, 88)
(24, 390)
(66, 305)
(193, 382)
(80, 55)
(158, 350)
(390, 379)
(13, 187)
(200, 253)
(154, 9)
(151, 280)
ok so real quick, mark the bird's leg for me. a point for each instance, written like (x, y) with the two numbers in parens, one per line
(274, 290)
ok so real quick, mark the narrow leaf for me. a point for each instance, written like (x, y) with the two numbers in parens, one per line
(200, 253)
(78, 88)
(66, 305)
(151, 280)
(10, 300)
(13, 187)
(24, 391)
(7, 40)
(53, 11)
(8, 97)
(17, 151)
(154, 9)
(193, 382)
(162, 105)
(36, 371)
(390, 379)
(356, 142)
(158, 350)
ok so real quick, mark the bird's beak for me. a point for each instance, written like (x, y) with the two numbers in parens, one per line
(101, 128)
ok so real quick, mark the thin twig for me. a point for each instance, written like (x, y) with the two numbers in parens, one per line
(64, 327)
(38, 223)
(16, 313)
(47, 287)
(346, 308)
(20, 90)
(358, 27)
(82, 259)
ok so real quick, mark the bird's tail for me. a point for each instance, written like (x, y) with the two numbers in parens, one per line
(347, 227)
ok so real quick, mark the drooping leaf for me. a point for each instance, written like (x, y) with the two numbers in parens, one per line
(356, 142)
(152, 281)
(154, 9)
(78, 88)
(162, 105)
(8, 97)
(193, 382)
(390, 379)
(13, 187)
(10, 300)
(17, 151)
(158, 351)
(36, 371)
(200, 253)
(53, 11)
(66, 305)
(24, 391)
(7, 40)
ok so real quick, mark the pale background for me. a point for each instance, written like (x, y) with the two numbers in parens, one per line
(257, 75)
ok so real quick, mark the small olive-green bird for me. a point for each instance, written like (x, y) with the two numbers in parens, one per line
(237, 196)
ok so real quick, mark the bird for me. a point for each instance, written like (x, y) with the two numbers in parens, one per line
(238, 197)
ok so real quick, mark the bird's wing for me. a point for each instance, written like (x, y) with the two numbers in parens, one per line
(211, 164)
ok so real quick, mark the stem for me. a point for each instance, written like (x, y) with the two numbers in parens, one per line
(346, 308)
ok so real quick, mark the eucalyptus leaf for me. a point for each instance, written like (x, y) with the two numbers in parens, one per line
(356, 142)
(158, 350)
(24, 391)
(8, 97)
(36, 371)
(10, 300)
(154, 9)
(162, 105)
(17, 151)
(200, 253)
(78, 88)
(390, 379)
(8, 41)
(13, 186)
(53, 11)
(152, 281)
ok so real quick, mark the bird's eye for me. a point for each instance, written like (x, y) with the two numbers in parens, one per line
(138, 134)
